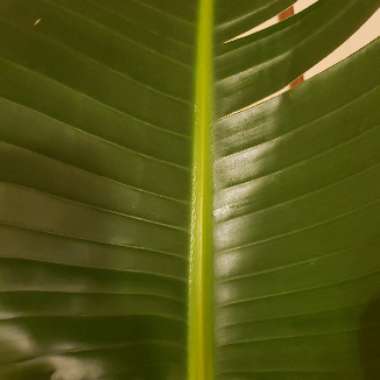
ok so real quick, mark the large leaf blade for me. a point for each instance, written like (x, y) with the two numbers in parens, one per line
(297, 240)
(96, 215)
(80, 233)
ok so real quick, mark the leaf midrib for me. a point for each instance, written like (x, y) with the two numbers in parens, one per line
(201, 272)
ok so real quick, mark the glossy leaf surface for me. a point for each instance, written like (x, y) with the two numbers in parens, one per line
(100, 102)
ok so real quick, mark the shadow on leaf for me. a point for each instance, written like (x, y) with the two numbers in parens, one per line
(369, 339)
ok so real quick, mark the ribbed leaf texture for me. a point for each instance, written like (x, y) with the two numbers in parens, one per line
(96, 133)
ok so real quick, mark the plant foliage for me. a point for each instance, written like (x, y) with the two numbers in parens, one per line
(155, 224)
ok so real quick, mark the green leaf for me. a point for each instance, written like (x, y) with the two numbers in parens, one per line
(157, 223)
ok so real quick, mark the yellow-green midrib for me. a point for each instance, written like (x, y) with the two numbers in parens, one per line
(201, 279)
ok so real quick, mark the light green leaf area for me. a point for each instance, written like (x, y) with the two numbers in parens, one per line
(157, 223)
